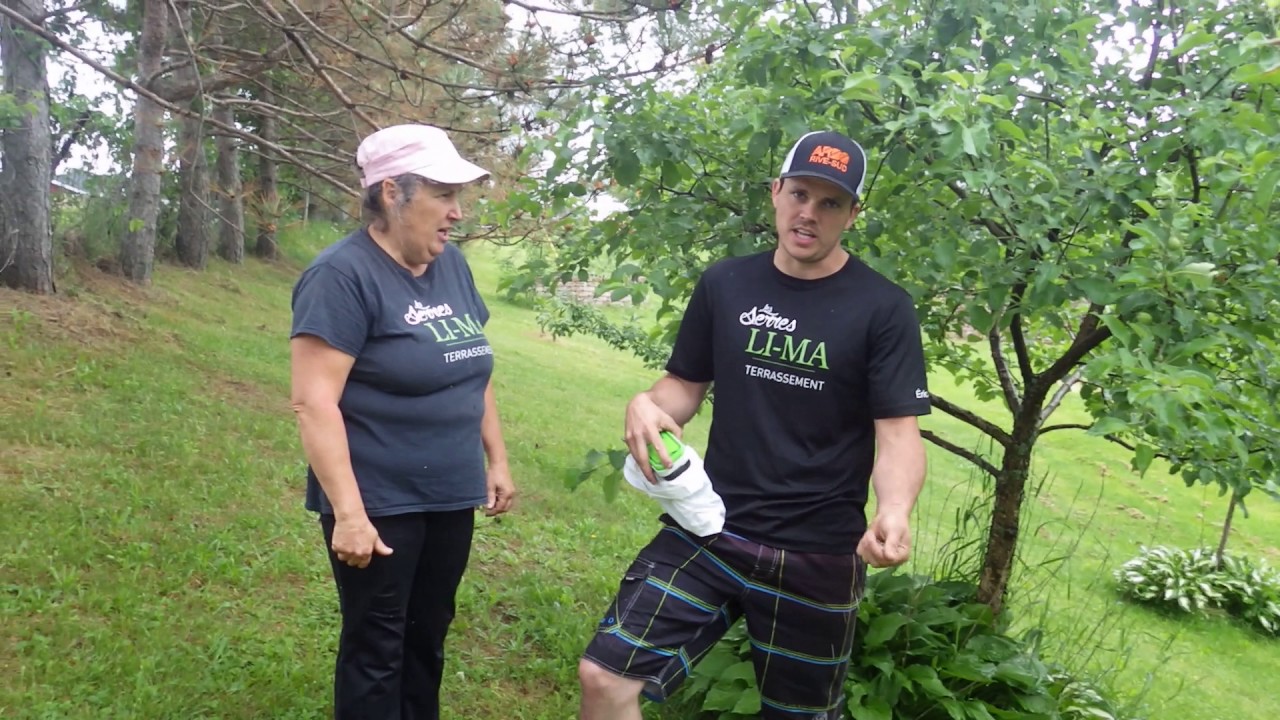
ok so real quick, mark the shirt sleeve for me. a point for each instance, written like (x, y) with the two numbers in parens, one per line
(328, 304)
(692, 358)
(896, 369)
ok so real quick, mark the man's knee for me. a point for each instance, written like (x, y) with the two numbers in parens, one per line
(602, 683)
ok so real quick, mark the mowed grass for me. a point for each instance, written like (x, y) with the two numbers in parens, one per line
(156, 561)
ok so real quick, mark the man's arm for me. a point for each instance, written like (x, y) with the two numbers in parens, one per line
(668, 405)
(897, 477)
(677, 397)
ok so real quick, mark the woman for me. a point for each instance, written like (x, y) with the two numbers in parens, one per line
(391, 387)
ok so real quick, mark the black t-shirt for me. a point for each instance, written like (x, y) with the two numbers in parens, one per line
(414, 400)
(802, 369)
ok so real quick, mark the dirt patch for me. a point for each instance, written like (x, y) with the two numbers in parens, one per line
(239, 393)
(1132, 512)
(98, 309)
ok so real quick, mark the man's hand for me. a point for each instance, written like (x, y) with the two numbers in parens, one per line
(887, 542)
(502, 492)
(356, 541)
(644, 425)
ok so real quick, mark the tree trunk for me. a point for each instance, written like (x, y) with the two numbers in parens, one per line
(268, 194)
(192, 239)
(1002, 539)
(26, 238)
(1011, 483)
(138, 248)
(1226, 530)
(230, 196)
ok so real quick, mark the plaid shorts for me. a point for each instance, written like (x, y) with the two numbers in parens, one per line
(682, 593)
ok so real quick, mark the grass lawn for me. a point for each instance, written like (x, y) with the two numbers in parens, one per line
(156, 561)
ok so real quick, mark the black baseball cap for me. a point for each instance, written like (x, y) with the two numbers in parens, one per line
(828, 156)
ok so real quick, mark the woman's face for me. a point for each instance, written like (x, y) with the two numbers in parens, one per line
(421, 223)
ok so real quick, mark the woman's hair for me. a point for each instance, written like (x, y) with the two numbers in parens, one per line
(373, 209)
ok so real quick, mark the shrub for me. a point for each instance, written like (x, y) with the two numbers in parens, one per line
(928, 651)
(1191, 581)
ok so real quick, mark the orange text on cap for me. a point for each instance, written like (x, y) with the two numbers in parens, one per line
(833, 157)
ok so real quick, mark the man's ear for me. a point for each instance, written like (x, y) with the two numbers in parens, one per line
(853, 215)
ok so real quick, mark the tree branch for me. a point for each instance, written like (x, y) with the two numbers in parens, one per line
(1011, 398)
(1064, 426)
(606, 16)
(125, 82)
(1061, 394)
(973, 457)
(971, 418)
(1193, 166)
(1019, 338)
(316, 65)
(1044, 99)
(1090, 321)
(176, 90)
(1083, 345)
(1112, 438)
(1148, 75)
(73, 137)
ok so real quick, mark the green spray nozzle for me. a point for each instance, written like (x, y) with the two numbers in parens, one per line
(675, 450)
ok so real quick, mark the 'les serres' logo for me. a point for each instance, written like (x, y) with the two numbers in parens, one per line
(419, 313)
(766, 317)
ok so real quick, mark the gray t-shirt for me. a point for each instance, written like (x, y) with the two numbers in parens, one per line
(414, 399)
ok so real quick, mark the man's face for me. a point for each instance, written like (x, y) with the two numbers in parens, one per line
(811, 215)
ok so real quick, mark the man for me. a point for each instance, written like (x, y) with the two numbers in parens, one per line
(819, 377)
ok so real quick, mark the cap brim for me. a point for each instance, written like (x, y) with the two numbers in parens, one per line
(819, 176)
(457, 172)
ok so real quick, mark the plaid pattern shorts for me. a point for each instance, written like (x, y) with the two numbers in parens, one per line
(682, 593)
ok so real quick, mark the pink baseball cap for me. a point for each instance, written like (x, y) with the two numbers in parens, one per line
(419, 149)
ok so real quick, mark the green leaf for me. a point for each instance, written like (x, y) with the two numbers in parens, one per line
(748, 703)
(612, 481)
(1008, 127)
(873, 708)
(1192, 41)
(721, 697)
(900, 158)
(883, 628)
(745, 670)
(1266, 189)
(979, 317)
(966, 666)
(927, 678)
(626, 168)
(1142, 457)
(1099, 290)
(966, 136)
(1108, 426)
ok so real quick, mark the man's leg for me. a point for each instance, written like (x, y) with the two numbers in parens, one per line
(373, 600)
(607, 696)
(675, 601)
(801, 612)
(446, 548)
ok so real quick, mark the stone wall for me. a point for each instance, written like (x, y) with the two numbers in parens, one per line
(584, 291)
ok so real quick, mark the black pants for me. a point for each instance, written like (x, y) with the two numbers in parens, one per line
(395, 615)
